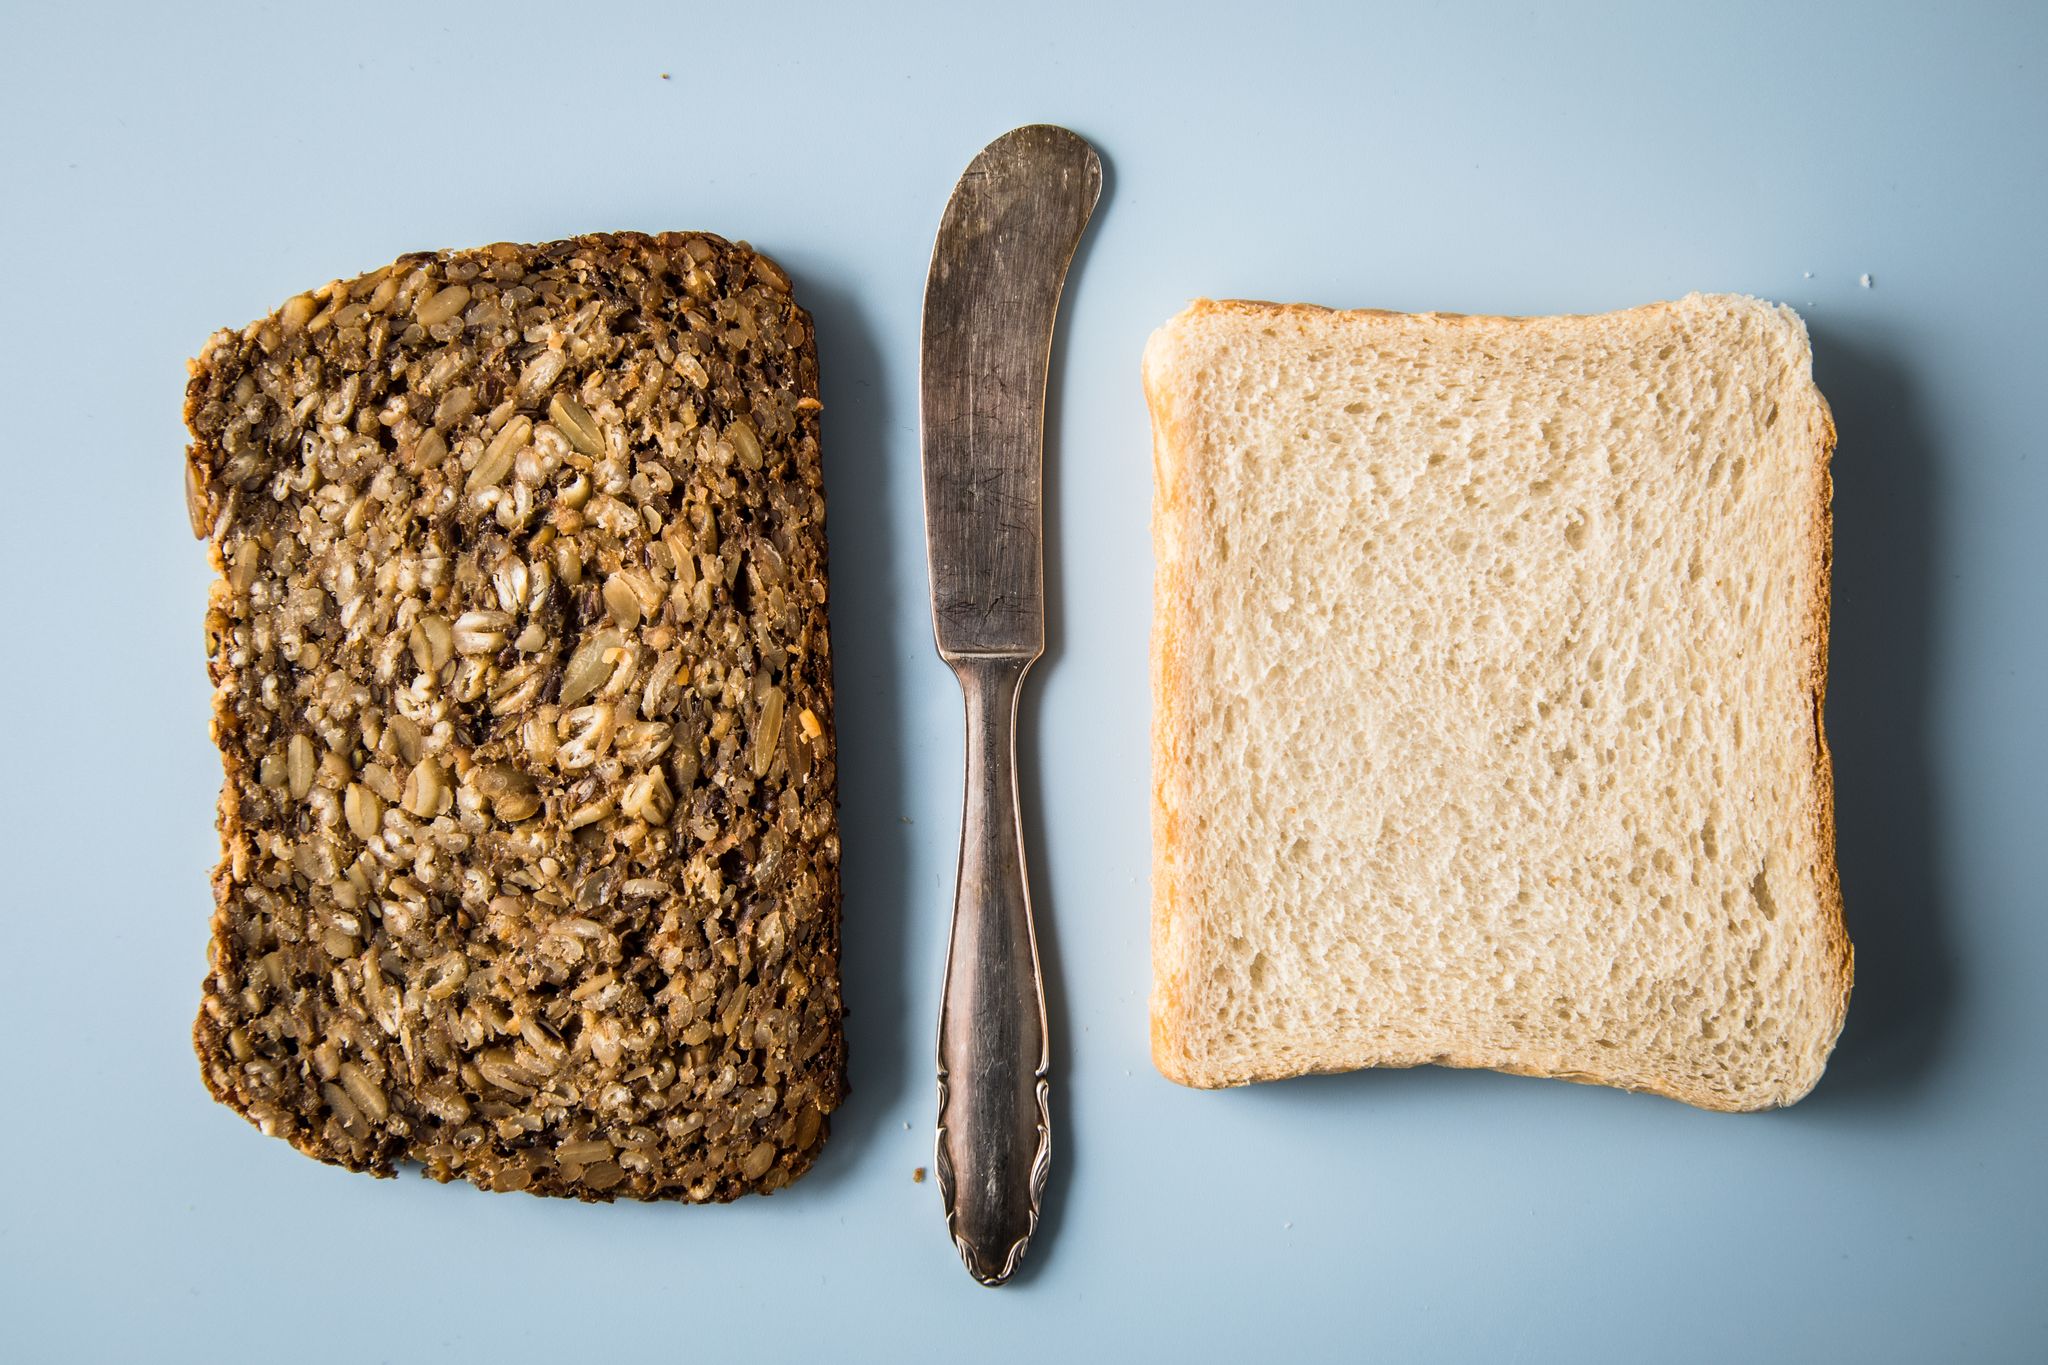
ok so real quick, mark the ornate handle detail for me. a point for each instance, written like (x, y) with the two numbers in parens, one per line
(995, 1135)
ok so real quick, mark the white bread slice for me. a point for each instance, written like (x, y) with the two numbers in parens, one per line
(1488, 659)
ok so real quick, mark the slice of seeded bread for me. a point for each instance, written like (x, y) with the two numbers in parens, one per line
(524, 697)
(1488, 662)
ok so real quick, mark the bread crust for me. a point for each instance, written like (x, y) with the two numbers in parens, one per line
(1173, 1051)
(1834, 914)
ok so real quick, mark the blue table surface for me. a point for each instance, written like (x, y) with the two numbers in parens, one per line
(172, 169)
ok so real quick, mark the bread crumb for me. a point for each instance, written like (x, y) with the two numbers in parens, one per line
(1865, 280)
(917, 1176)
(664, 75)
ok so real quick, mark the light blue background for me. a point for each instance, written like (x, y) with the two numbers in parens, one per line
(167, 171)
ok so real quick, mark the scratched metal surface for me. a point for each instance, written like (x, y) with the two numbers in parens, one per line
(1003, 247)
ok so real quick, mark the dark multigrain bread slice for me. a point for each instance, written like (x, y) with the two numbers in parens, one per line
(530, 865)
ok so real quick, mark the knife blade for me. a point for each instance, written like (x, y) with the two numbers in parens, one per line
(998, 267)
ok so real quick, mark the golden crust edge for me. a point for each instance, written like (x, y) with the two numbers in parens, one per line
(1166, 1005)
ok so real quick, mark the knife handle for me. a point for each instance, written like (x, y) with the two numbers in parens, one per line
(995, 1137)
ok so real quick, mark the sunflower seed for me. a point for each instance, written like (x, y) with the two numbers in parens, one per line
(496, 461)
(299, 761)
(440, 306)
(365, 812)
(576, 423)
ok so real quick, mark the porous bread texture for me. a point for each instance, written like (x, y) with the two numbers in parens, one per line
(1488, 660)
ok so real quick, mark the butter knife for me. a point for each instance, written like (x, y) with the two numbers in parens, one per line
(1004, 244)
